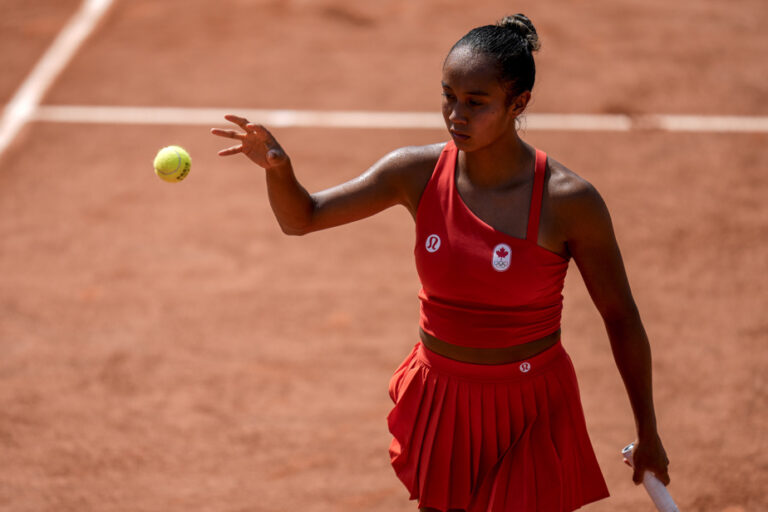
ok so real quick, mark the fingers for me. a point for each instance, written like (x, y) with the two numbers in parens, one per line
(228, 133)
(257, 142)
(245, 124)
(233, 150)
(637, 476)
(239, 121)
(660, 471)
(664, 477)
(256, 128)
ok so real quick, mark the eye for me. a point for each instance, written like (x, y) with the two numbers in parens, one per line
(448, 96)
(474, 103)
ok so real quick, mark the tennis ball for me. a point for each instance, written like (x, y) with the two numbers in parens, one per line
(172, 163)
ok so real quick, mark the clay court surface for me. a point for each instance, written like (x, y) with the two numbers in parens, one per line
(166, 348)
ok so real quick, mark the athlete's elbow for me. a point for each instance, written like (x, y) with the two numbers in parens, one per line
(295, 223)
(294, 230)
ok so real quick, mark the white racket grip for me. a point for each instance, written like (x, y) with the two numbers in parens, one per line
(656, 490)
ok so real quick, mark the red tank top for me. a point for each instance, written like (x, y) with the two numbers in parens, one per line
(481, 287)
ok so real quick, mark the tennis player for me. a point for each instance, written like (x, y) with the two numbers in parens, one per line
(487, 414)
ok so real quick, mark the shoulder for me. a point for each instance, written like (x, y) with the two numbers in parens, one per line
(565, 186)
(408, 169)
(412, 158)
(568, 190)
(573, 200)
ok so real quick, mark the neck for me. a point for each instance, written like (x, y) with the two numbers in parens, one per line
(503, 163)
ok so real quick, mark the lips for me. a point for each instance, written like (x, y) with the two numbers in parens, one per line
(459, 135)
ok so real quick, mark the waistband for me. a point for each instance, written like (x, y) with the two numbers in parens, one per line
(488, 328)
(507, 372)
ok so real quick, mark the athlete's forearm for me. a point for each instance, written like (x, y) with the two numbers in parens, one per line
(291, 203)
(632, 354)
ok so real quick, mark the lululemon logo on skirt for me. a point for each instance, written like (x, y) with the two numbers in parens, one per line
(433, 243)
(525, 367)
(502, 255)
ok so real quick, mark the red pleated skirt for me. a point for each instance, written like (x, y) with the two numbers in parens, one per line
(492, 438)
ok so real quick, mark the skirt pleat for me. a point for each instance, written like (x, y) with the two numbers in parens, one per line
(476, 436)
(462, 454)
(566, 450)
(492, 438)
(432, 459)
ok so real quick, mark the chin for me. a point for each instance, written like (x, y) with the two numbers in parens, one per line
(468, 145)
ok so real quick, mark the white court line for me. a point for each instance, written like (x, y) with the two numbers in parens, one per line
(22, 106)
(391, 120)
(682, 123)
(215, 116)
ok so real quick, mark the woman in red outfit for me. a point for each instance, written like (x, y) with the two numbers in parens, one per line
(487, 413)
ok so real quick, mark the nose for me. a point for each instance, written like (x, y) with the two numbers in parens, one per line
(456, 114)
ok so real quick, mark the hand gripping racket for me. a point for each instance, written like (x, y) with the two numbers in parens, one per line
(656, 490)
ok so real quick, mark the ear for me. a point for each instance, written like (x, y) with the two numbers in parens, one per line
(519, 103)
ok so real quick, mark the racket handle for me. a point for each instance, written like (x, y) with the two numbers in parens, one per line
(653, 486)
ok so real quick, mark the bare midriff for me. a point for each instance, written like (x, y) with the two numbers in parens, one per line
(478, 355)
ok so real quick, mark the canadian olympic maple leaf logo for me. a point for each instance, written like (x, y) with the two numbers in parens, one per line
(502, 256)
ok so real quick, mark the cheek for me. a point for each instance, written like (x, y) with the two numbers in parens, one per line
(491, 123)
(489, 118)
(446, 109)
(447, 104)
(500, 117)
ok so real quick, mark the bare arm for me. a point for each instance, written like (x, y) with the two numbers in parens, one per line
(398, 178)
(592, 243)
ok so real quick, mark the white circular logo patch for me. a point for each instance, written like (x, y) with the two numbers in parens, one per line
(525, 367)
(433, 243)
(502, 256)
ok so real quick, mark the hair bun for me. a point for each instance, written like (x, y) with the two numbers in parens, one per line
(523, 27)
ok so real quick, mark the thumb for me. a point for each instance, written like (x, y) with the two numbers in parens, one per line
(637, 476)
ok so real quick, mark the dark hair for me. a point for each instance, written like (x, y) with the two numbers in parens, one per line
(510, 43)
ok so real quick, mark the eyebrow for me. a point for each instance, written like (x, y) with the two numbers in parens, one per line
(470, 93)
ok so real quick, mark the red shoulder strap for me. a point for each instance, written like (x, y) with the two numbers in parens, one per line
(444, 170)
(538, 192)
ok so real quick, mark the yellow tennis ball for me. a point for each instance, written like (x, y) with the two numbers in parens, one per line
(172, 163)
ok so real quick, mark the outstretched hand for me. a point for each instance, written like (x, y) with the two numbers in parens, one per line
(257, 143)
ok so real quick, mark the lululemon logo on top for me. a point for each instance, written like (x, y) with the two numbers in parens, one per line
(525, 367)
(433, 243)
(502, 255)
